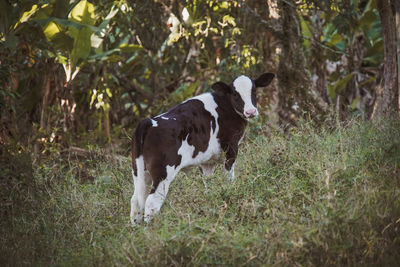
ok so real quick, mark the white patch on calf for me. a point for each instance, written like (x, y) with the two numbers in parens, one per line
(154, 123)
(243, 85)
(186, 151)
(209, 103)
(213, 144)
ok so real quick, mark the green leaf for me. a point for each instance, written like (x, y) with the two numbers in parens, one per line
(98, 37)
(11, 41)
(129, 48)
(229, 19)
(374, 54)
(114, 10)
(368, 18)
(60, 7)
(27, 15)
(184, 91)
(50, 30)
(305, 30)
(341, 84)
(337, 87)
(371, 5)
(104, 55)
(331, 92)
(65, 23)
(83, 12)
(108, 91)
(335, 39)
(354, 103)
(93, 98)
(63, 42)
(82, 46)
(373, 78)
(341, 45)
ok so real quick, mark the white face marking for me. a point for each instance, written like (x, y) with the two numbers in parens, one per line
(243, 85)
(154, 123)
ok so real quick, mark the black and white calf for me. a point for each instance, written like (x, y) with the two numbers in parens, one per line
(194, 132)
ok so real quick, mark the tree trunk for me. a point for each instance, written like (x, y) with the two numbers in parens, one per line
(294, 85)
(386, 101)
(397, 9)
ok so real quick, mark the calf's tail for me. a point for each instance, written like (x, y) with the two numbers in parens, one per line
(138, 141)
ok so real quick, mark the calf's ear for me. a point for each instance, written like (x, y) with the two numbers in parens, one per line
(264, 79)
(221, 87)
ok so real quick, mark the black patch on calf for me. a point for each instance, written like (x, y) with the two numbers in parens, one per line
(231, 128)
(233, 99)
(254, 95)
(264, 79)
(237, 102)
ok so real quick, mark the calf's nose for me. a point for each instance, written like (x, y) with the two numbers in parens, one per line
(250, 113)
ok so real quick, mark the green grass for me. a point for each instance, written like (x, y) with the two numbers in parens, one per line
(310, 197)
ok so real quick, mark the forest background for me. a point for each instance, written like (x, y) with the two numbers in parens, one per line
(77, 76)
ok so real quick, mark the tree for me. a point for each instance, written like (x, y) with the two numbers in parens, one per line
(397, 9)
(295, 95)
(386, 101)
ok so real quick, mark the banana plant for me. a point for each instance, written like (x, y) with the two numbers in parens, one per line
(73, 34)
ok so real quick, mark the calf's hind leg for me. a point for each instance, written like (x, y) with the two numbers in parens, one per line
(156, 199)
(139, 197)
(138, 200)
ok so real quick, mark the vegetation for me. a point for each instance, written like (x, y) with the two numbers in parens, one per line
(76, 76)
(311, 197)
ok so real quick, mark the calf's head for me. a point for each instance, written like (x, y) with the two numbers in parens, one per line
(242, 93)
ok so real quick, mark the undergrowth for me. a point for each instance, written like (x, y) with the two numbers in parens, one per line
(312, 196)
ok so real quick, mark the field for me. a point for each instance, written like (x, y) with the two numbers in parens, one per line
(327, 195)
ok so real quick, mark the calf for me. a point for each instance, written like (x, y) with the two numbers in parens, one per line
(194, 132)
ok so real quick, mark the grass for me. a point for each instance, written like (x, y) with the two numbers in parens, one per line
(326, 196)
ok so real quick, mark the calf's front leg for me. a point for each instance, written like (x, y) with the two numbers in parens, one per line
(231, 154)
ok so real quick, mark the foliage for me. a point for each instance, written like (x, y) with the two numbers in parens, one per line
(121, 60)
(344, 42)
(125, 60)
(325, 196)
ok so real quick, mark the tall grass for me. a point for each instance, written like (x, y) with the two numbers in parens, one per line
(325, 196)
